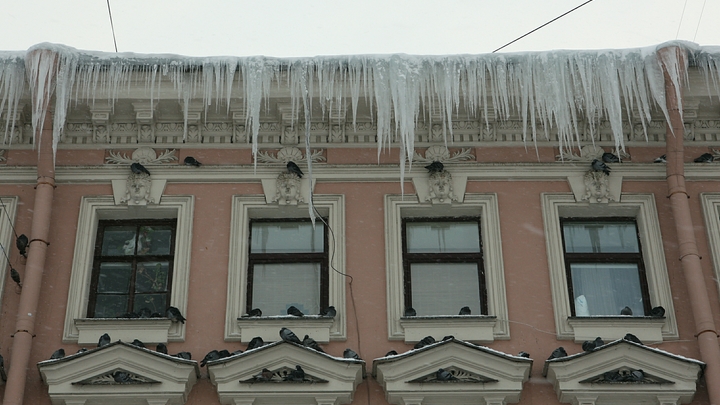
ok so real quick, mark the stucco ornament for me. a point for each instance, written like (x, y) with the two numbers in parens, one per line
(288, 189)
(439, 153)
(587, 154)
(287, 154)
(117, 377)
(2, 156)
(137, 191)
(144, 155)
(440, 188)
(597, 187)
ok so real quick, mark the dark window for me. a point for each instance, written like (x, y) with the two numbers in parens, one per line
(605, 271)
(443, 265)
(132, 268)
(288, 265)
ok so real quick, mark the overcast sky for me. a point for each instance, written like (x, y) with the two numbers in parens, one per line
(322, 27)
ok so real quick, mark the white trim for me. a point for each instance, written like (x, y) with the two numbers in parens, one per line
(7, 237)
(486, 207)
(245, 207)
(95, 208)
(711, 210)
(640, 206)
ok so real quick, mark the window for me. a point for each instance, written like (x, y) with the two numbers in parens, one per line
(287, 265)
(612, 255)
(132, 270)
(604, 265)
(7, 238)
(711, 209)
(443, 269)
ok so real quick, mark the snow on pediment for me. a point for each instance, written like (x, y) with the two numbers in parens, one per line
(325, 379)
(475, 372)
(624, 372)
(119, 373)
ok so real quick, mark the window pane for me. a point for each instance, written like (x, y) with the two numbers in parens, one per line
(114, 277)
(155, 240)
(151, 276)
(286, 237)
(118, 241)
(110, 306)
(442, 289)
(600, 237)
(156, 302)
(442, 237)
(606, 288)
(278, 286)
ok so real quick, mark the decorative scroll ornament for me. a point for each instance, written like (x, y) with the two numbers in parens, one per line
(597, 187)
(144, 155)
(284, 374)
(460, 376)
(2, 156)
(625, 375)
(117, 377)
(587, 154)
(287, 154)
(287, 189)
(439, 153)
(715, 153)
(138, 190)
(440, 188)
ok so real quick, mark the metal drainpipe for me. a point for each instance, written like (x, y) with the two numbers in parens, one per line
(37, 252)
(689, 255)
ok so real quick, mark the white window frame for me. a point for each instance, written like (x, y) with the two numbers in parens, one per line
(711, 210)
(82, 330)
(246, 207)
(480, 328)
(6, 236)
(642, 208)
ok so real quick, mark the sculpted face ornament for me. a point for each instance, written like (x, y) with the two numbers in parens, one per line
(441, 188)
(138, 190)
(288, 189)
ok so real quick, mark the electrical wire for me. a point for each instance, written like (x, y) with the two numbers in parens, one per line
(8, 217)
(112, 26)
(681, 20)
(699, 19)
(554, 19)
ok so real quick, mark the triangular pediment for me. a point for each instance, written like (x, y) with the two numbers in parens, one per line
(624, 371)
(472, 371)
(119, 372)
(241, 377)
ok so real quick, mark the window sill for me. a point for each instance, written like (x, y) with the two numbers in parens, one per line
(647, 329)
(470, 328)
(149, 330)
(269, 327)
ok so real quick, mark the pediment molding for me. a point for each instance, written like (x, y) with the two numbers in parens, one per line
(327, 379)
(624, 372)
(479, 372)
(119, 371)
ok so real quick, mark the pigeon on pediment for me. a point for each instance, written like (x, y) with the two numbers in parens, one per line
(283, 374)
(117, 377)
(625, 375)
(458, 375)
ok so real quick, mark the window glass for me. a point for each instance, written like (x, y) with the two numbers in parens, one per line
(442, 289)
(114, 277)
(286, 237)
(600, 237)
(442, 237)
(278, 286)
(119, 241)
(606, 288)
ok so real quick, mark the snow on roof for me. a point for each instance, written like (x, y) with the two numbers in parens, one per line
(621, 341)
(431, 346)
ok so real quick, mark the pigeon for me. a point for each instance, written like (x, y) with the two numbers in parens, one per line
(255, 312)
(137, 168)
(145, 312)
(255, 342)
(223, 353)
(104, 340)
(704, 158)
(138, 343)
(288, 336)
(391, 353)
(612, 376)
(211, 356)
(174, 315)
(599, 166)
(465, 311)
(632, 338)
(410, 312)
(294, 311)
(660, 159)
(22, 243)
(609, 157)
(265, 375)
(599, 342)
(637, 375)
(626, 311)
(311, 343)
(83, 350)
(184, 355)
(161, 348)
(15, 276)
(121, 377)
(294, 169)
(589, 346)
(329, 312)
(444, 375)
(448, 337)
(238, 351)
(58, 354)
(156, 315)
(435, 167)
(296, 375)
(558, 353)
(427, 340)
(350, 354)
(524, 354)
(191, 161)
(657, 312)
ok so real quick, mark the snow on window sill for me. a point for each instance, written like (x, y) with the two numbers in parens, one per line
(268, 327)
(647, 328)
(470, 328)
(147, 330)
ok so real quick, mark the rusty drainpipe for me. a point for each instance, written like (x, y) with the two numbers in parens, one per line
(37, 252)
(689, 255)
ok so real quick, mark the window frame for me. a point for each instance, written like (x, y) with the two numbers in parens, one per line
(98, 259)
(611, 257)
(283, 258)
(7, 236)
(455, 257)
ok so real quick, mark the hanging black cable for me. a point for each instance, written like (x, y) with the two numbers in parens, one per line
(112, 26)
(8, 217)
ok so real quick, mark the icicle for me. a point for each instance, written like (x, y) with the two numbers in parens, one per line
(12, 80)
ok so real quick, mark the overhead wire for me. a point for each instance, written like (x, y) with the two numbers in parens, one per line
(682, 15)
(112, 26)
(8, 217)
(699, 19)
(547, 23)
